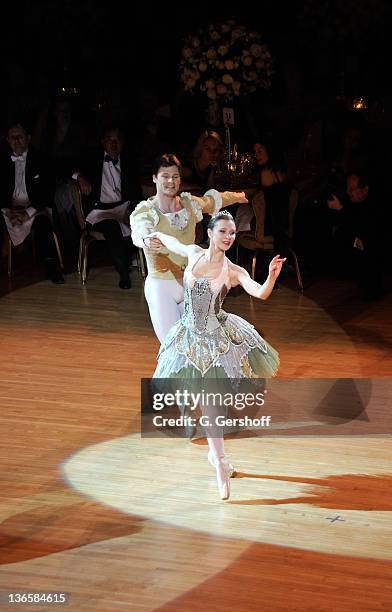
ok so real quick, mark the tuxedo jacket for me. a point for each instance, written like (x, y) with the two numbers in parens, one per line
(91, 167)
(40, 181)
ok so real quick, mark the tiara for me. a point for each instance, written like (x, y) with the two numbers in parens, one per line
(222, 213)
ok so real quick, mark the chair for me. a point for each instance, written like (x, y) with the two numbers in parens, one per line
(141, 263)
(12, 248)
(88, 236)
(258, 243)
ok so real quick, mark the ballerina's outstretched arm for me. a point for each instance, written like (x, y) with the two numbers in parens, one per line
(252, 287)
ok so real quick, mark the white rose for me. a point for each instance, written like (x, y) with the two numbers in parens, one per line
(237, 33)
(221, 89)
(227, 78)
(187, 52)
(229, 64)
(256, 50)
(188, 73)
(222, 49)
(211, 93)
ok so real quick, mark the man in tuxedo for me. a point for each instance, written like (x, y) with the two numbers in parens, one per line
(26, 198)
(109, 180)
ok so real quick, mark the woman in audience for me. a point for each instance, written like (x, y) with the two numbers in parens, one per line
(273, 183)
(206, 158)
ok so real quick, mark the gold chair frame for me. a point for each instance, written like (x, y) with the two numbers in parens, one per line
(88, 236)
(11, 248)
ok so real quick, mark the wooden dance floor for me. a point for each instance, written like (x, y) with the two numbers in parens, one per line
(119, 522)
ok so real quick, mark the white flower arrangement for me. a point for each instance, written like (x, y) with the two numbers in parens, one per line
(225, 60)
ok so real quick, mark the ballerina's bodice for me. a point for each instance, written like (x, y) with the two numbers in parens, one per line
(207, 337)
(203, 299)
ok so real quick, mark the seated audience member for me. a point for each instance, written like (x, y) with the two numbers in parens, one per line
(273, 183)
(26, 198)
(347, 232)
(200, 172)
(359, 234)
(207, 156)
(109, 180)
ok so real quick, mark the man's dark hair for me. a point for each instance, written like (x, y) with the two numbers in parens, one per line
(17, 123)
(111, 128)
(165, 161)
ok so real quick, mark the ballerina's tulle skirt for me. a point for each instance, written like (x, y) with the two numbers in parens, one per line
(262, 365)
(257, 367)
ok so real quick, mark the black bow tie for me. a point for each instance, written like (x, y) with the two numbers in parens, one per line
(114, 160)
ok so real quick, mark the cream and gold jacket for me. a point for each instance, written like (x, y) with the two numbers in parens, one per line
(147, 218)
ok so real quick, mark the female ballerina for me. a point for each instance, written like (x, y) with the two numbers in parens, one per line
(207, 342)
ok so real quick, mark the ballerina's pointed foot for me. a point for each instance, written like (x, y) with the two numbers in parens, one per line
(223, 474)
(231, 472)
(223, 480)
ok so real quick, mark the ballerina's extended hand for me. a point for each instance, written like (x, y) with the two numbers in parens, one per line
(275, 266)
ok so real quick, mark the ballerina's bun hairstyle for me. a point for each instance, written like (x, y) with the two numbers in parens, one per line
(222, 215)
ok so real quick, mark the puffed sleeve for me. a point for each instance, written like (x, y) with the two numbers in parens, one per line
(213, 201)
(143, 220)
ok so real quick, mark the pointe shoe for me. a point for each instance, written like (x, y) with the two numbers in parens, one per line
(229, 468)
(223, 480)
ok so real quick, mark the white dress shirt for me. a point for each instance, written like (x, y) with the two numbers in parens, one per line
(19, 232)
(111, 194)
(111, 182)
(20, 197)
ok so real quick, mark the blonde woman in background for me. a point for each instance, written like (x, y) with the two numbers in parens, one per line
(207, 156)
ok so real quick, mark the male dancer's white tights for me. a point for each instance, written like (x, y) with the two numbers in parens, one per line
(165, 299)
